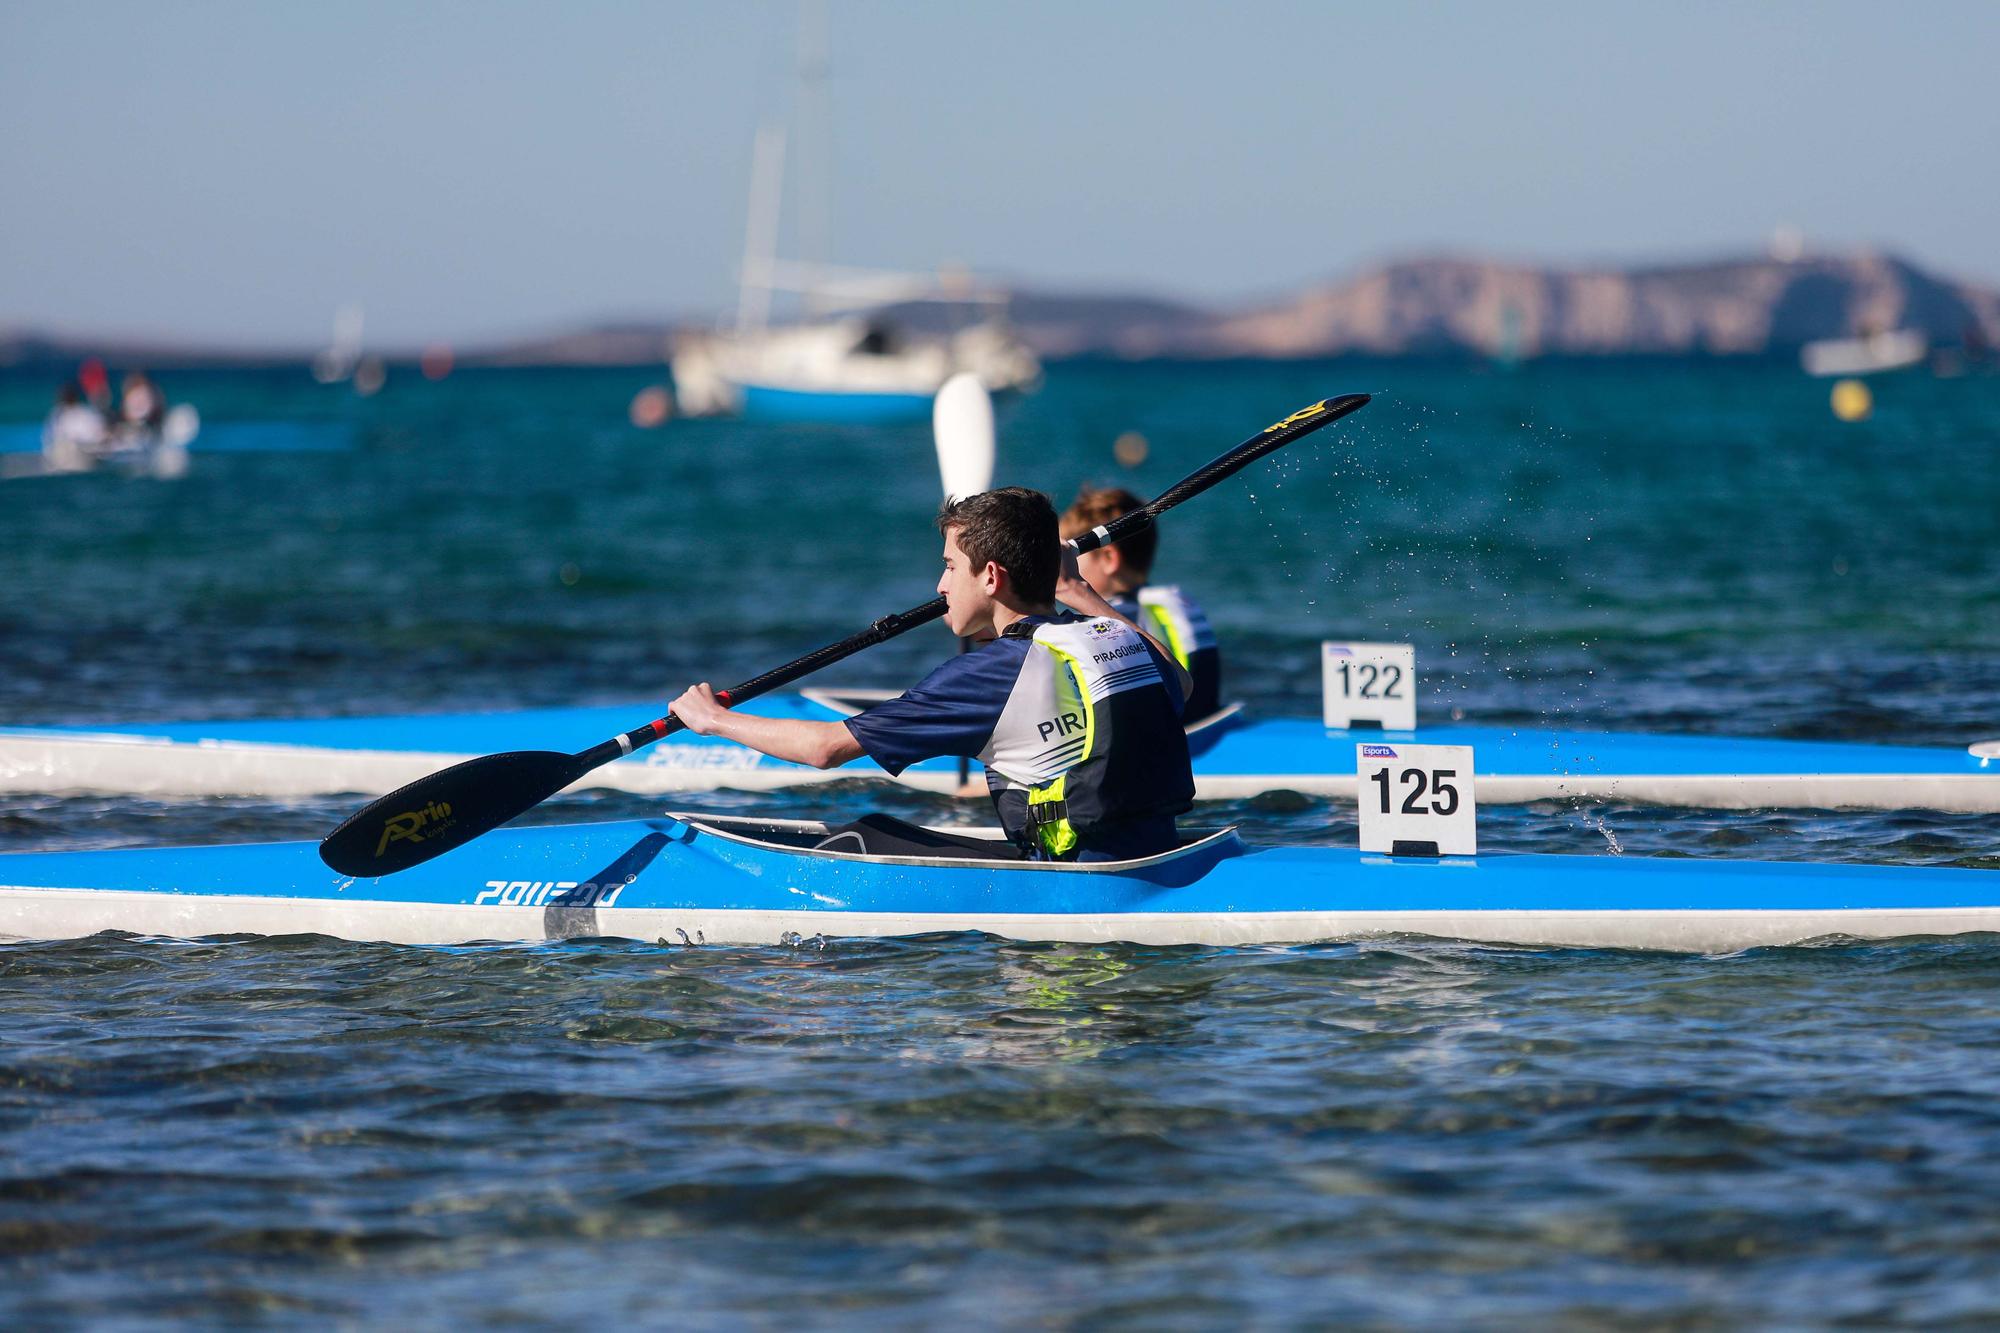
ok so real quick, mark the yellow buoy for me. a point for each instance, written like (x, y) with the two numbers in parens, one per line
(1130, 448)
(1852, 401)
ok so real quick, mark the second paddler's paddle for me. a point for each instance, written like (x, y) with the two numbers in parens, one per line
(453, 806)
(962, 425)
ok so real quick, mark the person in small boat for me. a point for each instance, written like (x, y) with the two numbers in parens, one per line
(141, 406)
(95, 381)
(1075, 714)
(1121, 573)
(75, 433)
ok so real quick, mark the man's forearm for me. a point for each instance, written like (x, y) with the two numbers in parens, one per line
(797, 740)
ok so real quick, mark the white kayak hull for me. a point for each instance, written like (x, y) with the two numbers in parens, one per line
(30, 914)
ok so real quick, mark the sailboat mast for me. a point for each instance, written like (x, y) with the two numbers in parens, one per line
(815, 153)
(760, 234)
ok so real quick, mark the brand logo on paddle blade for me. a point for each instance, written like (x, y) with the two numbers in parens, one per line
(1303, 414)
(415, 825)
(1377, 752)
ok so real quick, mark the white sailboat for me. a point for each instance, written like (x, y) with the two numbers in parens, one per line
(843, 360)
(852, 367)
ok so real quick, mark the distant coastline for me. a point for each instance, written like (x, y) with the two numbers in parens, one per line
(1431, 307)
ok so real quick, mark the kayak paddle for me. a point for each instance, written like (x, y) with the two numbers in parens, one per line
(452, 806)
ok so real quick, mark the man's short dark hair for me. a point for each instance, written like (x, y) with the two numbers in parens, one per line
(1096, 506)
(1014, 528)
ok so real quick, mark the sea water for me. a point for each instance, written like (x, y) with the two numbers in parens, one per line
(296, 1130)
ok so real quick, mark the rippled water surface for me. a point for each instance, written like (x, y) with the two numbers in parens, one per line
(909, 1132)
(953, 1128)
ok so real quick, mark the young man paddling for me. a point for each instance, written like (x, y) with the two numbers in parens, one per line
(1077, 717)
(1121, 573)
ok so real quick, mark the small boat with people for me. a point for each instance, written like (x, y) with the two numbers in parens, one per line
(705, 879)
(139, 435)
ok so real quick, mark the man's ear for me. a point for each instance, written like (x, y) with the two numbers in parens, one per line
(993, 578)
(1114, 559)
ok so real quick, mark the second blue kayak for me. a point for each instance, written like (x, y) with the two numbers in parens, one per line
(1236, 754)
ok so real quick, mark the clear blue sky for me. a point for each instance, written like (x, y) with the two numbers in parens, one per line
(234, 170)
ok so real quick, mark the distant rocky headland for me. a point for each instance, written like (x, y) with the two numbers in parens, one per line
(1436, 306)
(1449, 306)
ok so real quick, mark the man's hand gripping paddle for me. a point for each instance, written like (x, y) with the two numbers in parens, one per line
(451, 807)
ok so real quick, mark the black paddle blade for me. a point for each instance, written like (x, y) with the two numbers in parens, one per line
(1266, 441)
(448, 809)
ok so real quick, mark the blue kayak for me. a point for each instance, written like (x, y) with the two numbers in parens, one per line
(25, 437)
(699, 879)
(1236, 754)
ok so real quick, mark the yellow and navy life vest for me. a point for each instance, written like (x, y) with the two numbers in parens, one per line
(1171, 616)
(1090, 736)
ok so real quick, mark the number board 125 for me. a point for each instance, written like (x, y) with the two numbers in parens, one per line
(1417, 799)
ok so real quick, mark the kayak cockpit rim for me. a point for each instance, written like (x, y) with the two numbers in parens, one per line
(844, 701)
(1220, 717)
(1206, 843)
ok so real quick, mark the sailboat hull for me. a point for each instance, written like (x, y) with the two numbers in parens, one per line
(763, 402)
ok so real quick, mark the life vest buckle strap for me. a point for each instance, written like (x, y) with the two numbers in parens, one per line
(1048, 812)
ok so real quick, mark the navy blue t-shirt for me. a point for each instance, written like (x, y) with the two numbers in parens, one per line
(954, 710)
